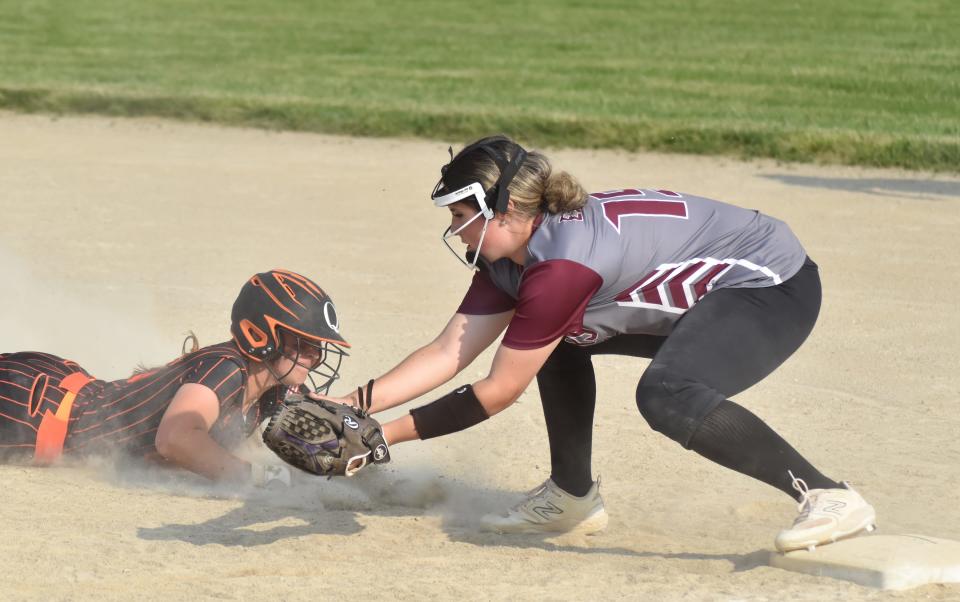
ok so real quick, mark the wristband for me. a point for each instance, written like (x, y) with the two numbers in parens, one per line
(455, 411)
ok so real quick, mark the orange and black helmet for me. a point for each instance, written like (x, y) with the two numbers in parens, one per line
(283, 301)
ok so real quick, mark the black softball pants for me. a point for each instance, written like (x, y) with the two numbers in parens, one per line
(730, 340)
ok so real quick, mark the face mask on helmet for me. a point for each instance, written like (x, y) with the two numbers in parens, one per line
(322, 360)
(498, 194)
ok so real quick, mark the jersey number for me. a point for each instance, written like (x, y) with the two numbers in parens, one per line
(674, 287)
(629, 202)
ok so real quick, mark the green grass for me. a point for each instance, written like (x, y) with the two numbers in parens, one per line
(867, 82)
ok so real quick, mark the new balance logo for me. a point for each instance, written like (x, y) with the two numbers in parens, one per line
(834, 507)
(544, 512)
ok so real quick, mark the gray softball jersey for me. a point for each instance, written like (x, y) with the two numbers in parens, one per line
(631, 261)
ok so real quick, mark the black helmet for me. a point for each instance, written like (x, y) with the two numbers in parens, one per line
(280, 300)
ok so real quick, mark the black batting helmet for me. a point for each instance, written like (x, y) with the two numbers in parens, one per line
(280, 300)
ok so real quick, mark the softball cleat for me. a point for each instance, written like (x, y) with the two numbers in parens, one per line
(826, 516)
(549, 509)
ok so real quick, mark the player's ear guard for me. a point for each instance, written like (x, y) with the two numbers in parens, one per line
(455, 411)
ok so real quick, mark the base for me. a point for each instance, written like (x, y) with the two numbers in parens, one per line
(882, 561)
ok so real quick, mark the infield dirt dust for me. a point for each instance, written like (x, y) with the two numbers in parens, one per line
(119, 236)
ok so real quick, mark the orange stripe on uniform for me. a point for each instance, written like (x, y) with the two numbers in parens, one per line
(119, 430)
(53, 428)
(216, 387)
(19, 386)
(212, 368)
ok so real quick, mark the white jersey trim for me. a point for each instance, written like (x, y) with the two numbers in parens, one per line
(688, 284)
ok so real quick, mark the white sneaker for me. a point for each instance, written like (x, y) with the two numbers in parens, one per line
(549, 509)
(826, 515)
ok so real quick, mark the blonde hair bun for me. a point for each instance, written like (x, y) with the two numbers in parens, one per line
(563, 193)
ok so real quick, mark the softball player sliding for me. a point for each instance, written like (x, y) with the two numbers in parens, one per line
(715, 295)
(191, 411)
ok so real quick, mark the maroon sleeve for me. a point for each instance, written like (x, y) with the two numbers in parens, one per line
(484, 298)
(553, 296)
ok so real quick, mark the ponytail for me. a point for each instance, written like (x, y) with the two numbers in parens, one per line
(563, 193)
(534, 189)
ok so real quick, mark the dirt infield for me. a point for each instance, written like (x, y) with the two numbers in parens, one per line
(118, 236)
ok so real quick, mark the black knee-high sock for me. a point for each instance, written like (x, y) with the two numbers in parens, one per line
(735, 437)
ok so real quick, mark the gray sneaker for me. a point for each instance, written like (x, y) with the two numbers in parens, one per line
(549, 509)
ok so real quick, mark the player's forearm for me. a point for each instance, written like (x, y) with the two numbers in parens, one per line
(496, 396)
(462, 340)
(400, 430)
(197, 452)
(492, 397)
(468, 405)
(423, 370)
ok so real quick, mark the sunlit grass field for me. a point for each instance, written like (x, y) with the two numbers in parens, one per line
(870, 82)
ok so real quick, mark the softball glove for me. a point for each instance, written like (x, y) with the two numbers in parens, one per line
(325, 438)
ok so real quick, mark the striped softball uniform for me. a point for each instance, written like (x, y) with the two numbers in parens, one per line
(125, 414)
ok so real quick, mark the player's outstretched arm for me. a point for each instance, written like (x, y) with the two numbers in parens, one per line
(511, 373)
(460, 342)
(183, 436)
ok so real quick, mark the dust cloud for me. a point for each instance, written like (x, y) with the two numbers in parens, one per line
(108, 338)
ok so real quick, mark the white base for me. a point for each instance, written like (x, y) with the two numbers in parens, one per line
(882, 561)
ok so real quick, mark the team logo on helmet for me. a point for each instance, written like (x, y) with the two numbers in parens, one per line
(330, 315)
